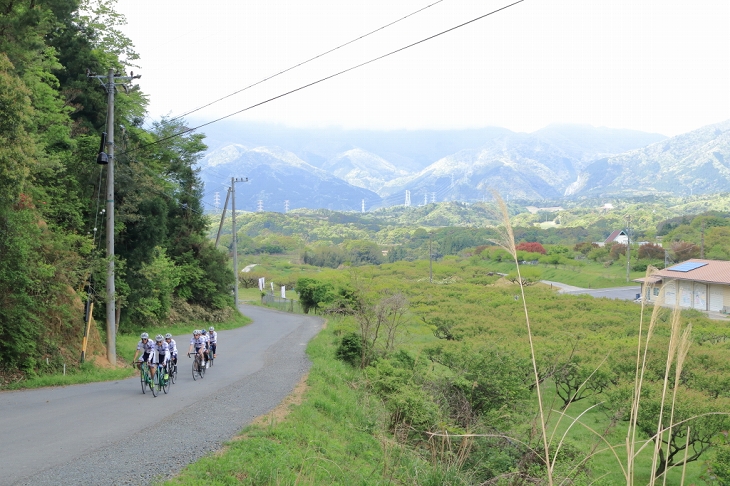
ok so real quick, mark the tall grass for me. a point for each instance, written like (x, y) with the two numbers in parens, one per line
(677, 350)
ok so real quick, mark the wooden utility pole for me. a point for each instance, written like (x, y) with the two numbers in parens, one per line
(628, 246)
(235, 238)
(223, 217)
(111, 321)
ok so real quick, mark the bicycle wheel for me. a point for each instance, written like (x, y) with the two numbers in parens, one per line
(173, 372)
(153, 383)
(210, 358)
(141, 378)
(202, 368)
(165, 382)
(195, 368)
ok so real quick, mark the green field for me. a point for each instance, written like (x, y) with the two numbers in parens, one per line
(374, 425)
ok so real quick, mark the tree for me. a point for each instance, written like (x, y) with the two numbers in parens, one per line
(683, 250)
(313, 293)
(533, 247)
(651, 251)
(692, 410)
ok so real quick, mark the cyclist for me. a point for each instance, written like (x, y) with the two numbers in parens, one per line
(213, 338)
(207, 343)
(147, 348)
(162, 354)
(172, 346)
(199, 344)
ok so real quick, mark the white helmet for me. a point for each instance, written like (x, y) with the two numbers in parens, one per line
(144, 335)
(211, 329)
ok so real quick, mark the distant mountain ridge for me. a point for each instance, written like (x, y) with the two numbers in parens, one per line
(334, 169)
(697, 162)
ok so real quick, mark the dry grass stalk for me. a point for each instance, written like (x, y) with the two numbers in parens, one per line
(507, 241)
(639, 378)
(682, 350)
(671, 354)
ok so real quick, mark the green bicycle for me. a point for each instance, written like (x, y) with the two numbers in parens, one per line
(162, 380)
(145, 378)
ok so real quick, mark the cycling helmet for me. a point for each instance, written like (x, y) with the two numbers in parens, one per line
(203, 331)
(196, 332)
(159, 338)
(168, 336)
(211, 329)
(144, 335)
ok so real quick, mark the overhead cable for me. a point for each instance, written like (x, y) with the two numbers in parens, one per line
(307, 61)
(188, 130)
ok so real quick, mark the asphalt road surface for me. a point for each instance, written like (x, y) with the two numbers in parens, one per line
(621, 293)
(110, 433)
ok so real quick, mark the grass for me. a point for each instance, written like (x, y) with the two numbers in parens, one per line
(604, 464)
(88, 372)
(592, 275)
(333, 437)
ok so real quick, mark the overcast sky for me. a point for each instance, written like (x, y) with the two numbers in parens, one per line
(653, 65)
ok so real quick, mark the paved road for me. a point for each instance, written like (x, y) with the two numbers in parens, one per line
(621, 293)
(107, 433)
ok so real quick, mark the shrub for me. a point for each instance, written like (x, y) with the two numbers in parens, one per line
(532, 247)
(350, 349)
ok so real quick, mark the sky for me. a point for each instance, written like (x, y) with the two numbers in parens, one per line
(659, 66)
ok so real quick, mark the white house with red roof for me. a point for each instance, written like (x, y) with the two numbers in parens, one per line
(695, 284)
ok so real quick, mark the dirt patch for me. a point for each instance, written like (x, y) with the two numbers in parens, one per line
(296, 397)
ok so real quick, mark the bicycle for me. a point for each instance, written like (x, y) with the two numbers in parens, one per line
(172, 371)
(145, 378)
(210, 356)
(198, 368)
(160, 380)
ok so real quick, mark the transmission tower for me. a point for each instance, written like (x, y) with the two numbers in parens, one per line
(217, 201)
(286, 206)
(425, 199)
(433, 197)
(363, 206)
(408, 198)
(260, 206)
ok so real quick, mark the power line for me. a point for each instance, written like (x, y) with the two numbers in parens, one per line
(188, 130)
(307, 61)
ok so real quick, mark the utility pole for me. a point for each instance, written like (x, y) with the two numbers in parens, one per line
(628, 246)
(235, 237)
(223, 217)
(111, 314)
(702, 241)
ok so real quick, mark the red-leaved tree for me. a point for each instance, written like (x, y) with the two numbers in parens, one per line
(533, 247)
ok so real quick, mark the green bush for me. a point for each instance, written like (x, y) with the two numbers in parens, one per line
(350, 349)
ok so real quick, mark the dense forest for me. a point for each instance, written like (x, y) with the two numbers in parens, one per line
(52, 252)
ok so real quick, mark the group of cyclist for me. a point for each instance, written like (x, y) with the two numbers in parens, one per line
(164, 349)
(205, 343)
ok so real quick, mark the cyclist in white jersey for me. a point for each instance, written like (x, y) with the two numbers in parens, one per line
(146, 347)
(207, 344)
(172, 346)
(162, 354)
(199, 344)
(213, 339)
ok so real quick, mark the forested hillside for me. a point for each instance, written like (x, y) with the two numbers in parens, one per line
(52, 191)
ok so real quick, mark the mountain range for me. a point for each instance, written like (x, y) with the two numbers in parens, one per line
(354, 169)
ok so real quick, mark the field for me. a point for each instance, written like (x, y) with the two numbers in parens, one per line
(463, 341)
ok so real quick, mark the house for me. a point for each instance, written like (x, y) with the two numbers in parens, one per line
(695, 284)
(618, 236)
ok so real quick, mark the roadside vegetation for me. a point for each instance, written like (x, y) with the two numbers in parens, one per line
(453, 374)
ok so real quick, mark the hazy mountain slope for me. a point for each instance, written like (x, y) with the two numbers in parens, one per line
(363, 169)
(697, 162)
(586, 143)
(276, 176)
